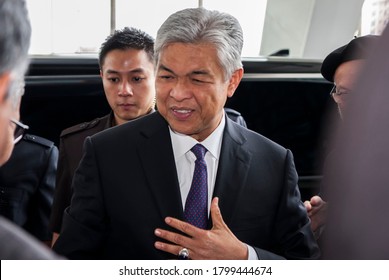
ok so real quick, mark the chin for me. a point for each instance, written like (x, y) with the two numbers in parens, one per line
(180, 128)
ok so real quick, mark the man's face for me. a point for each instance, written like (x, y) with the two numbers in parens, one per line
(345, 77)
(191, 89)
(6, 128)
(128, 80)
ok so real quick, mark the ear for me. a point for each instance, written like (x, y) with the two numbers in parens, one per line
(4, 84)
(101, 73)
(234, 81)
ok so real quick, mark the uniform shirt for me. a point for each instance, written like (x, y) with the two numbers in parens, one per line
(27, 182)
(70, 153)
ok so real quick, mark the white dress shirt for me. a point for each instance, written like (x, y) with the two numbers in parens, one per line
(185, 164)
(185, 159)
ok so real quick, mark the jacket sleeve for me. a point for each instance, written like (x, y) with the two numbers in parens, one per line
(62, 195)
(83, 228)
(43, 196)
(293, 225)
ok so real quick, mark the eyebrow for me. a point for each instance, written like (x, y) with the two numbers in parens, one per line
(195, 72)
(136, 70)
(164, 68)
(201, 72)
(343, 88)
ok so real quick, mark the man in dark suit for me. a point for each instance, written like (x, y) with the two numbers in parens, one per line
(132, 190)
(127, 72)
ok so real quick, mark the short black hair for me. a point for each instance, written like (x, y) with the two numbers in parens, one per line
(127, 38)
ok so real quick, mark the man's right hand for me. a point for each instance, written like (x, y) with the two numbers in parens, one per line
(317, 212)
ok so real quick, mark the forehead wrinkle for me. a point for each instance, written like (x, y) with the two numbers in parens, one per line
(194, 72)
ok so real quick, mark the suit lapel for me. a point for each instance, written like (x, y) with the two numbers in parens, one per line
(157, 158)
(232, 170)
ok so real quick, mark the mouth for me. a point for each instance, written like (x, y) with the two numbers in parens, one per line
(126, 106)
(182, 113)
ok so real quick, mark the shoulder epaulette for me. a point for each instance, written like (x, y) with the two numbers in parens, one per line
(232, 112)
(80, 127)
(39, 140)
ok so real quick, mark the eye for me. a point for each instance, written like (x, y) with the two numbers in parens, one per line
(165, 77)
(200, 78)
(198, 81)
(138, 79)
(113, 79)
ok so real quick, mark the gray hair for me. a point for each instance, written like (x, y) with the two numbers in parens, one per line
(15, 34)
(16, 90)
(198, 25)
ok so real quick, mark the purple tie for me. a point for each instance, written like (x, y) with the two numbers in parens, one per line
(195, 211)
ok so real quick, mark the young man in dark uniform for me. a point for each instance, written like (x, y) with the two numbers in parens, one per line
(127, 72)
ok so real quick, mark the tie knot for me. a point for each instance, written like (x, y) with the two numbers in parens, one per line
(199, 151)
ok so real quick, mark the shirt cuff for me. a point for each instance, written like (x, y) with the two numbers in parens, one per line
(252, 254)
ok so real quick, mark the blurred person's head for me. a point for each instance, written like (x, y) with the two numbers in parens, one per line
(15, 33)
(343, 66)
(127, 71)
(198, 64)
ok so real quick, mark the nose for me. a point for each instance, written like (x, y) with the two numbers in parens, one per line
(125, 89)
(181, 90)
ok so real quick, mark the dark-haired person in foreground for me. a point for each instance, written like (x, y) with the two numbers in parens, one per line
(134, 197)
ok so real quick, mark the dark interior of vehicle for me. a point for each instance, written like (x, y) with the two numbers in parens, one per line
(291, 110)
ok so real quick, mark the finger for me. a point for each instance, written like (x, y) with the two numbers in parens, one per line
(169, 248)
(216, 214)
(308, 205)
(184, 227)
(316, 200)
(173, 237)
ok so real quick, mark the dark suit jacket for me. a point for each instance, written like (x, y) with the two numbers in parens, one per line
(27, 182)
(127, 184)
(70, 153)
